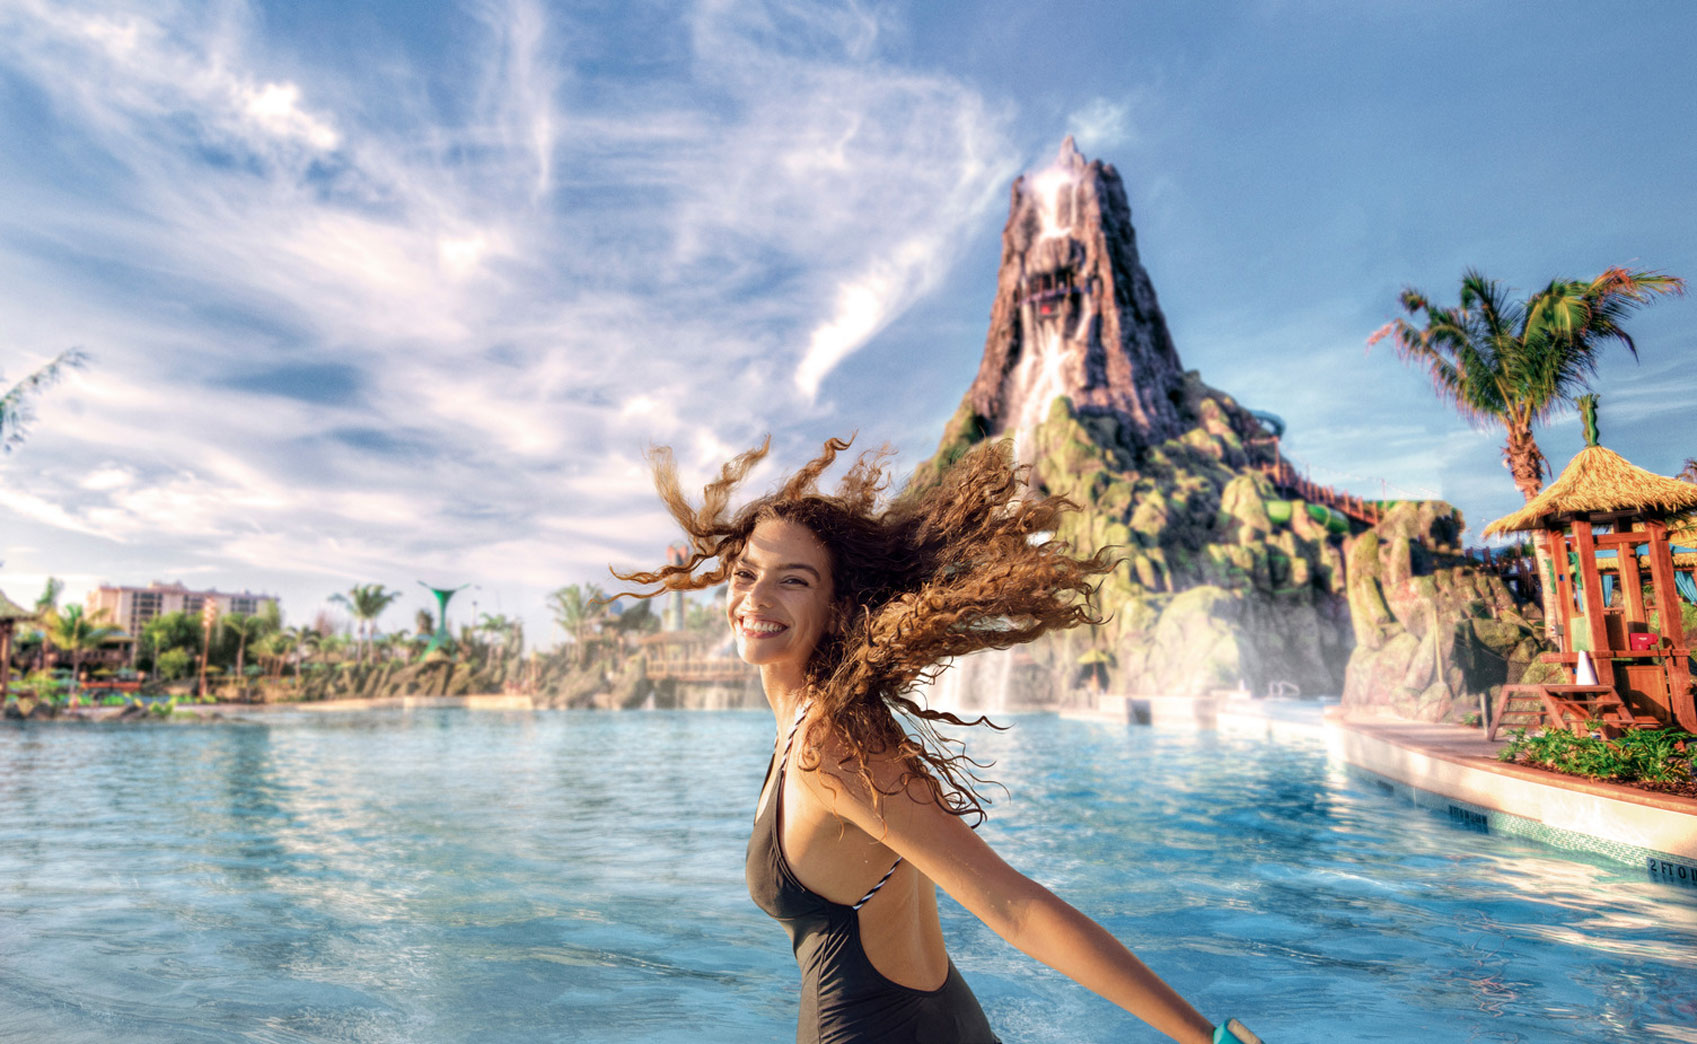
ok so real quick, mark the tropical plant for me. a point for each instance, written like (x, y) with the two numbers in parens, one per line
(331, 648)
(16, 408)
(246, 628)
(45, 603)
(303, 640)
(77, 632)
(424, 621)
(366, 602)
(1512, 364)
(274, 650)
(1689, 472)
(637, 619)
(707, 614)
(173, 630)
(578, 608)
(1649, 755)
(509, 631)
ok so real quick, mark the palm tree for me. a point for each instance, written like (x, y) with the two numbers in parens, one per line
(273, 651)
(577, 608)
(47, 603)
(302, 642)
(1689, 472)
(366, 602)
(246, 629)
(172, 630)
(75, 632)
(1511, 364)
(15, 408)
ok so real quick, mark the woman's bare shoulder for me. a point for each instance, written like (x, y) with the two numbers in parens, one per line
(835, 769)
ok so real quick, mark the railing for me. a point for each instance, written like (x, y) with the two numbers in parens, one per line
(1287, 478)
(700, 669)
(1521, 566)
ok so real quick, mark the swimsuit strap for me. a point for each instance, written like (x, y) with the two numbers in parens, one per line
(879, 885)
(783, 760)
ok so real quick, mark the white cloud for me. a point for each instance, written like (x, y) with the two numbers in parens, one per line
(106, 478)
(276, 108)
(505, 349)
(460, 255)
(1102, 125)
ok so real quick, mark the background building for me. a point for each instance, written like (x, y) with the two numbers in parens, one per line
(131, 607)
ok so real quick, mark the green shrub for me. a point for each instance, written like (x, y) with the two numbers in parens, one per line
(174, 663)
(1649, 755)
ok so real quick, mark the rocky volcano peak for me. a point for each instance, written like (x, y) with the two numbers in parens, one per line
(1075, 313)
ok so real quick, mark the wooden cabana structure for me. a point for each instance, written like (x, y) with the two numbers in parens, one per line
(1604, 519)
(10, 613)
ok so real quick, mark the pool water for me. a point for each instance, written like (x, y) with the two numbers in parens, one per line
(448, 875)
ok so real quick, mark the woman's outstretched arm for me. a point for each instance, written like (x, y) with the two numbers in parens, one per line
(1036, 921)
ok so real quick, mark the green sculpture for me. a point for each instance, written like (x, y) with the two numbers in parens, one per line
(1588, 416)
(443, 639)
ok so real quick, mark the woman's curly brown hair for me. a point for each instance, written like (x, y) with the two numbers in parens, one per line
(964, 565)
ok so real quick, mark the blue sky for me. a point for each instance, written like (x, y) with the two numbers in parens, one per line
(382, 292)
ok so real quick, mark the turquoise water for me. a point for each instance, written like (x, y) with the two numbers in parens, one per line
(560, 876)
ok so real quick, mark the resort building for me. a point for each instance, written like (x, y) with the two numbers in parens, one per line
(131, 607)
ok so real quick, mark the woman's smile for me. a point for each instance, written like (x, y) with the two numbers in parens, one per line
(754, 627)
(779, 603)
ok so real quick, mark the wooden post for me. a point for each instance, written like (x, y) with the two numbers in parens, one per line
(208, 615)
(1555, 545)
(1591, 588)
(1670, 625)
(5, 658)
(1633, 583)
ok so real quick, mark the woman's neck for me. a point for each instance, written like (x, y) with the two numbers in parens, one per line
(785, 690)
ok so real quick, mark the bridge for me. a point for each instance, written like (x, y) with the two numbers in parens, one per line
(700, 669)
(1287, 479)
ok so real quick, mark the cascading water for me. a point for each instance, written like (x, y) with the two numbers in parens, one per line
(982, 683)
(1039, 380)
(1041, 375)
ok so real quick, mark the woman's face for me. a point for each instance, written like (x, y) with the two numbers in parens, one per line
(779, 603)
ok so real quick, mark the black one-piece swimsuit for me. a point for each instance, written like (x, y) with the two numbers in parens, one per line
(844, 999)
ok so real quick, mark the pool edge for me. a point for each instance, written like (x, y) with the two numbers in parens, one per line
(1454, 763)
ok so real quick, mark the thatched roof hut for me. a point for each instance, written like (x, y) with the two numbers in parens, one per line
(10, 610)
(1628, 654)
(10, 613)
(1601, 481)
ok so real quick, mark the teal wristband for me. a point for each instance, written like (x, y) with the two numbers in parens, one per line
(1234, 1032)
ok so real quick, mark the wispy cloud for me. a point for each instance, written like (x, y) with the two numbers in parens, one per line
(1102, 125)
(345, 331)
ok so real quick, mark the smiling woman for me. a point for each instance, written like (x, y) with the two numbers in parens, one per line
(844, 602)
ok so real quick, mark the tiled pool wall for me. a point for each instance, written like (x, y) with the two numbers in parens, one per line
(1659, 867)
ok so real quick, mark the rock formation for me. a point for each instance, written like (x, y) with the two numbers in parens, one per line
(1225, 581)
(1075, 313)
(1432, 631)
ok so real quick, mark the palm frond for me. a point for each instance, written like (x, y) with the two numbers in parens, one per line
(16, 408)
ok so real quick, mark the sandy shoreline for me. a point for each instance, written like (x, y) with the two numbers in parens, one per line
(226, 711)
(486, 701)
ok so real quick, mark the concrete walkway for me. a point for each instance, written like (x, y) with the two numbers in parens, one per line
(1455, 765)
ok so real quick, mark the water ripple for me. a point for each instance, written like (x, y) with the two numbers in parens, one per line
(455, 876)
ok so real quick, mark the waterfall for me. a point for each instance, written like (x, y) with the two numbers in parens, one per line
(980, 683)
(1038, 381)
